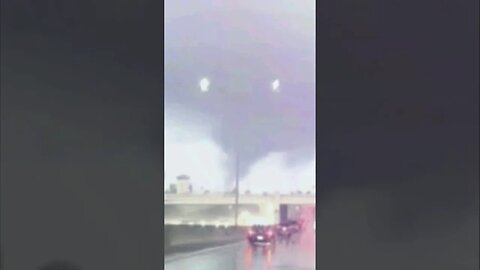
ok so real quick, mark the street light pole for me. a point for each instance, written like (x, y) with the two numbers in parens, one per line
(237, 180)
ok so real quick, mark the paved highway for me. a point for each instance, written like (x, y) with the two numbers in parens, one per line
(299, 256)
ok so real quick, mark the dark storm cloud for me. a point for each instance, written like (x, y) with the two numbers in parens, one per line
(242, 49)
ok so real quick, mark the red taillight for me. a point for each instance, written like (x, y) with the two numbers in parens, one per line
(250, 232)
(269, 233)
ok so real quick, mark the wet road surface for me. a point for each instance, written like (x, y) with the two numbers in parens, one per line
(298, 256)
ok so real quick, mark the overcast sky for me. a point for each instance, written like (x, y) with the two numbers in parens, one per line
(242, 47)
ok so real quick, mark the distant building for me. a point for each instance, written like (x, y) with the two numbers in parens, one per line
(183, 184)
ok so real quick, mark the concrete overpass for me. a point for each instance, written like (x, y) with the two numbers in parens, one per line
(269, 205)
(225, 199)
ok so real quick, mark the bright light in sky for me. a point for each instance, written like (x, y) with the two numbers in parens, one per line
(204, 84)
(275, 85)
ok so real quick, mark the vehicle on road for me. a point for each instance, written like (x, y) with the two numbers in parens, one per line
(284, 233)
(290, 226)
(287, 231)
(261, 234)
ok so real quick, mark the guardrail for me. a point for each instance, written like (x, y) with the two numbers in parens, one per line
(183, 238)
